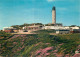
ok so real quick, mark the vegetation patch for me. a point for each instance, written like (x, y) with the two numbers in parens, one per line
(41, 44)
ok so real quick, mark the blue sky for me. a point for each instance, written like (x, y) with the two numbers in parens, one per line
(17, 12)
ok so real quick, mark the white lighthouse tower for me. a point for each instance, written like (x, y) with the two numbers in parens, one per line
(53, 15)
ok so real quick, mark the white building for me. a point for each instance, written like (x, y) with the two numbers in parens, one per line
(62, 31)
(71, 28)
(66, 27)
(7, 28)
(53, 27)
(76, 27)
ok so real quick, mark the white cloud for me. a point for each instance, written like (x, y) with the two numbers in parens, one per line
(55, 0)
(50, 0)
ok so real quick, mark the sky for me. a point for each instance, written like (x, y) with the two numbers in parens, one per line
(17, 12)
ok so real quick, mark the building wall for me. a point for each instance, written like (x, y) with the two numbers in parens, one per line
(33, 28)
(16, 30)
(8, 31)
(67, 27)
(62, 32)
(53, 17)
(54, 27)
(74, 27)
(75, 31)
(7, 28)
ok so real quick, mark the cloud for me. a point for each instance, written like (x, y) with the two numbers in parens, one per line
(50, 0)
(55, 0)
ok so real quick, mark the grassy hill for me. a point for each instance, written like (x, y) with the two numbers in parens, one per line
(38, 45)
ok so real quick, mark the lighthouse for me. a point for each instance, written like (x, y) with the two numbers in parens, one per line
(53, 15)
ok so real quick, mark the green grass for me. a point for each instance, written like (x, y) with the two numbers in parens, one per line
(32, 43)
(45, 31)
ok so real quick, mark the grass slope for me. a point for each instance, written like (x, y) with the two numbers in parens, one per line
(42, 44)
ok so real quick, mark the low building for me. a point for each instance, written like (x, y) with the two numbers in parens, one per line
(57, 24)
(8, 29)
(34, 28)
(60, 27)
(66, 27)
(15, 30)
(72, 28)
(75, 31)
(62, 31)
(53, 27)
